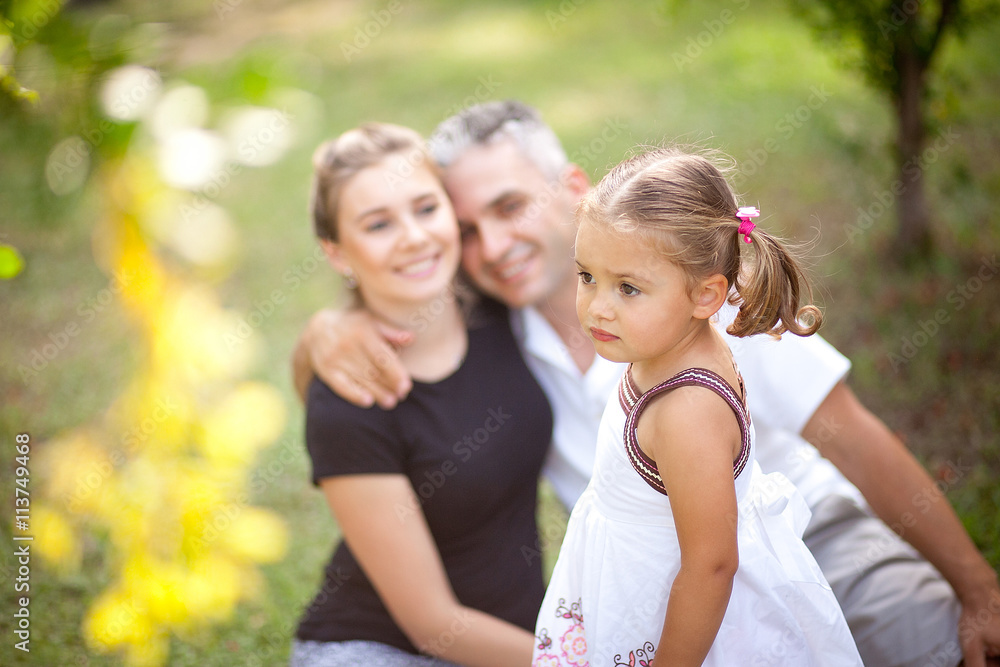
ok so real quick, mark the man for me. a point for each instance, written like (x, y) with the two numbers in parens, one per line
(514, 193)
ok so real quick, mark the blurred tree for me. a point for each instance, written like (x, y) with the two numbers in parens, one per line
(893, 43)
(158, 483)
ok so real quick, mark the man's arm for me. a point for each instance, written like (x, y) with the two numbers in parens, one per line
(355, 355)
(904, 496)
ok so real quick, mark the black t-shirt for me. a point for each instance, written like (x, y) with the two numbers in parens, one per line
(472, 446)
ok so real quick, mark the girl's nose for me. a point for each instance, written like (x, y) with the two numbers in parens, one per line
(600, 305)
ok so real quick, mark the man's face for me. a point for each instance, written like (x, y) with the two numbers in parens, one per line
(517, 226)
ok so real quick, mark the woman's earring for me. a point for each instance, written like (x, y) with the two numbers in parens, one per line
(350, 280)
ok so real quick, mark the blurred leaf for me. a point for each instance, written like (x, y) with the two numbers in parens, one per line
(11, 262)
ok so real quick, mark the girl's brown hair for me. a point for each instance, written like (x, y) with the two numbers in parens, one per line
(681, 202)
(337, 160)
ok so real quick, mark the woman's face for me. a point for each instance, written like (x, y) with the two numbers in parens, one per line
(397, 234)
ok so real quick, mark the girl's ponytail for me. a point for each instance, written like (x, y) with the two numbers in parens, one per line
(770, 290)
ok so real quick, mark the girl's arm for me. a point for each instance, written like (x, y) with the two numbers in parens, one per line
(693, 436)
(385, 529)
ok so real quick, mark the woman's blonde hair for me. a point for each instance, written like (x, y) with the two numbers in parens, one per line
(337, 160)
(680, 201)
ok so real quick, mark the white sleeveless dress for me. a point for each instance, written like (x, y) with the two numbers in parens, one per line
(607, 599)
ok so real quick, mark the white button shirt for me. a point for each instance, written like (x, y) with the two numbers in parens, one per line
(786, 380)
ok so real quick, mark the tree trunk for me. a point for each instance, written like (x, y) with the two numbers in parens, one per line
(913, 239)
(911, 59)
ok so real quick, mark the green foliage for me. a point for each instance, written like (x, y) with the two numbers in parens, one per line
(870, 33)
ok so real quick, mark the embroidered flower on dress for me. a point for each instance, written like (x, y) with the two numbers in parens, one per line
(574, 646)
(573, 611)
(640, 657)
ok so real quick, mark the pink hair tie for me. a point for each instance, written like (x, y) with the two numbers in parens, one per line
(744, 215)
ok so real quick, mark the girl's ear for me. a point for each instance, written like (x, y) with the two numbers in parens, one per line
(709, 295)
(335, 256)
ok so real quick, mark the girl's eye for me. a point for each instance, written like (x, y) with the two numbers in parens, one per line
(629, 290)
(377, 225)
(586, 278)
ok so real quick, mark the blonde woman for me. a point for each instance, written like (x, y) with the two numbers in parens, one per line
(435, 498)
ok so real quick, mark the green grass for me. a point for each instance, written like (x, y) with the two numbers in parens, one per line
(609, 67)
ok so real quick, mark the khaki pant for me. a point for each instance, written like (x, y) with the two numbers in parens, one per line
(900, 609)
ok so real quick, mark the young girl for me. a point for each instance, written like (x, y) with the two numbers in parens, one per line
(436, 497)
(681, 552)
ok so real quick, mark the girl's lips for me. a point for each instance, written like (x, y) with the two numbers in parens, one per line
(602, 335)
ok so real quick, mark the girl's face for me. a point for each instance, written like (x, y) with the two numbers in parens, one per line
(632, 302)
(397, 234)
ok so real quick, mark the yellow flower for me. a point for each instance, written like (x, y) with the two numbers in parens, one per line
(55, 540)
(76, 469)
(211, 588)
(249, 418)
(190, 341)
(159, 585)
(150, 653)
(138, 274)
(154, 415)
(257, 535)
(114, 620)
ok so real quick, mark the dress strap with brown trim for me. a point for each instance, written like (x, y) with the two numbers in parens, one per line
(633, 404)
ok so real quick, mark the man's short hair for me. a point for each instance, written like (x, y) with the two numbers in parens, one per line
(492, 122)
